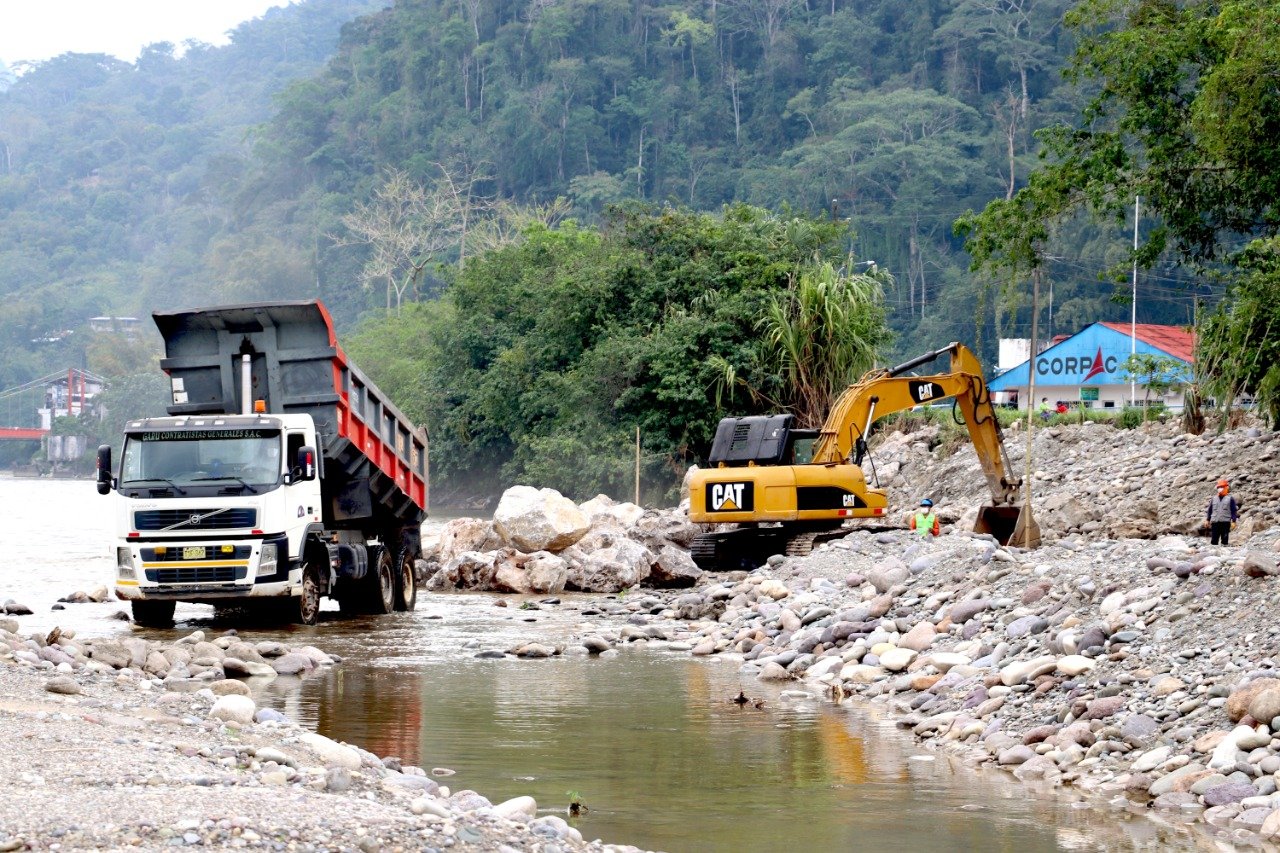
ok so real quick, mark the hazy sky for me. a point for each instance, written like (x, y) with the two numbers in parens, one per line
(40, 29)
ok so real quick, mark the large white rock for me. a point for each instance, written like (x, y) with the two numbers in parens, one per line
(674, 567)
(469, 570)
(547, 573)
(686, 483)
(1022, 671)
(233, 708)
(618, 567)
(825, 666)
(603, 508)
(773, 588)
(538, 519)
(1073, 665)
(511, 577)
(859, 673)
(896, 660)
(944, 661)
(332, 753)
(516, 806)
(462, 534)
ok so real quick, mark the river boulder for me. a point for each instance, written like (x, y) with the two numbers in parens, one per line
(623, 565)
(530, 519)
(462, 534)
(606, 509)
(468, 570)
(510, 576)
(673, 567)
(547, 573)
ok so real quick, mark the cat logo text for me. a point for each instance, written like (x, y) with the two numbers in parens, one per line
(730, 497)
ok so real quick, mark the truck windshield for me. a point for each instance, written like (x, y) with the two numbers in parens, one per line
(189, 459)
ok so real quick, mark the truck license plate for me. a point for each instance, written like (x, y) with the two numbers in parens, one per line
(193, 552)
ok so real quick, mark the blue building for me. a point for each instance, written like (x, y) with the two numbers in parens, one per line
(1087, 368)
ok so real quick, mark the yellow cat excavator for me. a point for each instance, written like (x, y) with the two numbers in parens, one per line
(787, 488)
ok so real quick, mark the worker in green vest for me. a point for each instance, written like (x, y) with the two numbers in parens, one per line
(925, 520)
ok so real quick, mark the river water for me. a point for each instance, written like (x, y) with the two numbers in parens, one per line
(649, 739)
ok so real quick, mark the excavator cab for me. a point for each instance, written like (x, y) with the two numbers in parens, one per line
(761, 440)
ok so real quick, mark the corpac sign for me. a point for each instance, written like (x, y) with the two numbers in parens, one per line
(731, 497)
(1076, 368)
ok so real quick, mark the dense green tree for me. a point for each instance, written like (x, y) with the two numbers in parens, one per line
(543, 357)
(1183, 113)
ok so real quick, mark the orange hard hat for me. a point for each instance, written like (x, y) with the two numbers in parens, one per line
(1222, 484)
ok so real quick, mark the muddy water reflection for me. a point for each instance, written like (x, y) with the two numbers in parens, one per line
(649, 738)
(656, 748)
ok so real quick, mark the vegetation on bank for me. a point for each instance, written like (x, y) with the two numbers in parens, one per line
(542, 358)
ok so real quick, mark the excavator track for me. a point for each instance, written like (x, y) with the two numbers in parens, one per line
(703, 551)
(801, 544)
(739, 550)
(748, 548)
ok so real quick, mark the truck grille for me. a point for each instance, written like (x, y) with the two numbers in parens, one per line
(205, 519)
(175, 555)
(198, 574)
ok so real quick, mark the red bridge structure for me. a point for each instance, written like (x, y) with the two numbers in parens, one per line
(27, 411)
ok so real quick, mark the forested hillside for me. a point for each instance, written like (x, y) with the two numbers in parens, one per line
(119, 181)
(125, 188)
(897, 116)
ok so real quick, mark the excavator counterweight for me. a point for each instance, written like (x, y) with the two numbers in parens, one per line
(787, 488)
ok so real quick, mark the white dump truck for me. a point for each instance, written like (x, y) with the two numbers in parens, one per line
(281, 475)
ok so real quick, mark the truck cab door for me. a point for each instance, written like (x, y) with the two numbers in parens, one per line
(304, 494)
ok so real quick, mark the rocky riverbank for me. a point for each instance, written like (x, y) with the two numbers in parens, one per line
(1095, 480)
(125, 743)
(1141, 672)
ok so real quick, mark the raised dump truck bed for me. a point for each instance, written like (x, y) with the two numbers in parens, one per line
(374, 456)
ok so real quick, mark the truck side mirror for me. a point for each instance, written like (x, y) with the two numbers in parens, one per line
(104, 469)
(304, 467)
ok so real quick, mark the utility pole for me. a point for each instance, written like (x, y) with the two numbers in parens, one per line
(1133, 317)
(1031, 384)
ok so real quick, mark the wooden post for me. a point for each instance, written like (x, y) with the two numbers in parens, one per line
(637, 466)
(1031, 384)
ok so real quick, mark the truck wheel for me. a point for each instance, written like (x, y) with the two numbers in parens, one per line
(381, 581)
(153, 614)
(406, 580)
(309, 602)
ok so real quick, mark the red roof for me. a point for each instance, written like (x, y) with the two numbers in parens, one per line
(1175, 340)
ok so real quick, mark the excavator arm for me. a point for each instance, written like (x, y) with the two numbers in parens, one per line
(881, 393)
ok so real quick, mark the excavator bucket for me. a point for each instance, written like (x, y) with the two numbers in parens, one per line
(1010, 525)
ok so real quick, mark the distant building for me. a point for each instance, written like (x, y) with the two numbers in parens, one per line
(1013, 351)
(1086, 368)
(129, 326)
(74, 394)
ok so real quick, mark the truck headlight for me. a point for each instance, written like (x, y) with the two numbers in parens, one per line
(124, 564)
(267, 560)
